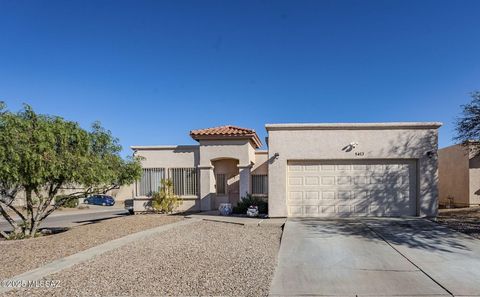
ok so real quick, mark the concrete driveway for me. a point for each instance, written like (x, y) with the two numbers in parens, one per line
(375, 257)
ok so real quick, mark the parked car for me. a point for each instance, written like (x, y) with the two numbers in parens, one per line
(100, 200)
(128, 204)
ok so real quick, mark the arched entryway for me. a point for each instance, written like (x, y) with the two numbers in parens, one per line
(227, 181)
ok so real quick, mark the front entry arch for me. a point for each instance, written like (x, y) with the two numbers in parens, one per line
(227, 181)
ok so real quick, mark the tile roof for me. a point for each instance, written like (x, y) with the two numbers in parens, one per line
(226, 132)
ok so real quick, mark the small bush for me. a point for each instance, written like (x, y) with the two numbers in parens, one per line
(70, 203)
(165, 200)
(248, 201)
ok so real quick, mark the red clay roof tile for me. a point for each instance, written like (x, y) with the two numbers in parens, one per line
(226, 132)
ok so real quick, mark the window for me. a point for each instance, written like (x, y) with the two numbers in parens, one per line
(221, 184)
(259, 184)
(184, 181)
(150, 181)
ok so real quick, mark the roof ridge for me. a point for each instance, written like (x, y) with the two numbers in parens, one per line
(226, 131)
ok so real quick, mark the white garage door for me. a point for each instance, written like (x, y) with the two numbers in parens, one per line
(351, 188)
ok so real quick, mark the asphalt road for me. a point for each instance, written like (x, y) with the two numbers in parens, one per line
(86, 216)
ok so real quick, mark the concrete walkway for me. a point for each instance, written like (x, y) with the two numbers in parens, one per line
(214, 216)
(375, 257)
(61, 264)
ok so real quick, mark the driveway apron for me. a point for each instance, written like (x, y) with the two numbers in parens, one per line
(449, 257)
(345, 257)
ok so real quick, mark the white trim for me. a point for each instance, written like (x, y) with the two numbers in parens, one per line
(353, 126)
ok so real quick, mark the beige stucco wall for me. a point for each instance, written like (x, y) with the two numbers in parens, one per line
(186, 156)
(206, 156)
(474, 181)
(168, 156)
(220, 149)
(125, 192)
(453, 175)
(376, 141)
(261, 163)
(212, 150)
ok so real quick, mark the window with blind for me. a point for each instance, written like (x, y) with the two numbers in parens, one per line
(185, 181)
(150, 181)
(221, 184)
(259, 184)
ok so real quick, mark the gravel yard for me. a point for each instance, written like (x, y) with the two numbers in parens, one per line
(22, 255)
(465, 220)
(205, 258)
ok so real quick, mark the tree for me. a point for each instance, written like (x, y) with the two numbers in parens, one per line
(42, 155)
(468, 124)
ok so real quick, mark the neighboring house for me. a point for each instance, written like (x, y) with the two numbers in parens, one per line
(309, 170)
(459, 176)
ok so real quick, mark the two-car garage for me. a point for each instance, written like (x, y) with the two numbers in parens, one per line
(353, 169)
(351, 187)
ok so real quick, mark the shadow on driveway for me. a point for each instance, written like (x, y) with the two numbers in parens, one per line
(410, 232)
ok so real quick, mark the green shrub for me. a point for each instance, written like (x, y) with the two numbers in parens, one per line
(165, 200)
(70, 203)
(248, 201)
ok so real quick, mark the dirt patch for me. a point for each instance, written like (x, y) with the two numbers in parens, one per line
(19, 256)
(465, 220)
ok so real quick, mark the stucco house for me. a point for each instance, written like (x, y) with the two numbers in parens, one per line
(308, 170)
(459, 175)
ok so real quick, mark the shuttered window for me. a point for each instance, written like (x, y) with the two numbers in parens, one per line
(220, 184)
(150, 181)
(185, 181)
(259, 184)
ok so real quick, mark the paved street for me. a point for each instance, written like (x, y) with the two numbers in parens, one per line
(376, 257)
(72, 218)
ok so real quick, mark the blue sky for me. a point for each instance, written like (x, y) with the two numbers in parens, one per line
(150, 71)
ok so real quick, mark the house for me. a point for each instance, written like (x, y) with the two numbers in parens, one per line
(459, 175)
(308, 170)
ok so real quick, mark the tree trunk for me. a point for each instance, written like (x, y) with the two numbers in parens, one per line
(16, 228)
(29, 218)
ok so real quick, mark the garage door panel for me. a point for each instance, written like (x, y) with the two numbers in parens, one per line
(351, 187)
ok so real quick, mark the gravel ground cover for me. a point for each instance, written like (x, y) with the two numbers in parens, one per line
(465, 220)
(205, 258)
(19, 256)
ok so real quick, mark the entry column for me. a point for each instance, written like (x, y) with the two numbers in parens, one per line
(244, 171)
(207, 187)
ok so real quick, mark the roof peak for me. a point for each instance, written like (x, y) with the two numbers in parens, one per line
(226, 132)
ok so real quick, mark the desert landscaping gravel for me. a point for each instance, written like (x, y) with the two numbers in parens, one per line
(465, 220)
(19, 256)
(205, 258)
